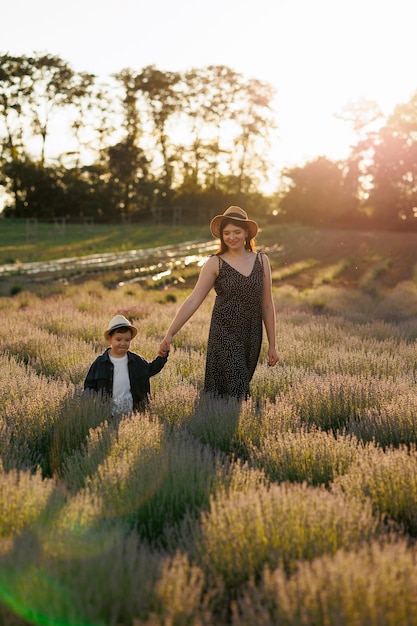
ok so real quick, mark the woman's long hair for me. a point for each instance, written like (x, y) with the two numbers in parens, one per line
(249, 243)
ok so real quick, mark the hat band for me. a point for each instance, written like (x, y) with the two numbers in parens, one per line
(236, 215)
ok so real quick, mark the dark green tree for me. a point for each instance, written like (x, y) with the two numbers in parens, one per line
(31, 88)
(319, 193)
(16, 86)
(46, 193)
(129, 173)
(162, 137)
(162, 101)
(229, 122)
(37, 189)
(208, 96)
(54, 85)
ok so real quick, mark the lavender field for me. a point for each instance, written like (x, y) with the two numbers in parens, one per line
(297, 507)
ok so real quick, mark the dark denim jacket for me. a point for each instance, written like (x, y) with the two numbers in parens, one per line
(100, 376)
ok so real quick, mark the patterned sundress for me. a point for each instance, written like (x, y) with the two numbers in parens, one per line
(235, 335)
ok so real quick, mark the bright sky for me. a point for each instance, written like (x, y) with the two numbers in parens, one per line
(318, 54)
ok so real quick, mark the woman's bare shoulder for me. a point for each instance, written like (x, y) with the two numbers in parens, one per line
(213, 259)
(263, 255)
(211, 264)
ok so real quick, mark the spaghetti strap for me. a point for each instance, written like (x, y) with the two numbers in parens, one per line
(220, 260)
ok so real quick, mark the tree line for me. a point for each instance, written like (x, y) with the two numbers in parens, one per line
(76, 146)
(375, 186)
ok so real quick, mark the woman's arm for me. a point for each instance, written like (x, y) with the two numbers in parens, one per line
(268, 311)
(205, 282)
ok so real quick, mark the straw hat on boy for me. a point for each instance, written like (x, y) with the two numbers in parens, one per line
(119, 321)
(235, 213)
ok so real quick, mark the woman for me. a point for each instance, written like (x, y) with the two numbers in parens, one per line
(242, 280)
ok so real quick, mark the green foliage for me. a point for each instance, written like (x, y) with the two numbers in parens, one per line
(319, 192)
(23, 500)
(315, 457)
(45, 193)
(371, 586)
(389, 480)
(276, 527)
(130, 175)
(219, 162)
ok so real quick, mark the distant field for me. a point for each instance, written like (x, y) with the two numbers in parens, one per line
(21, 242)
(348, 258)
(302, 257)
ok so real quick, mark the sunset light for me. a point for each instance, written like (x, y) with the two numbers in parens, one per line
(208, 313)
(317, 55)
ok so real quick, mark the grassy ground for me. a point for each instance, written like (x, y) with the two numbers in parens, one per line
(45, 242)
(386, 256)
(296, 507)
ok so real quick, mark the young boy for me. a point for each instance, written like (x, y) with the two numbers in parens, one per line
(121, 374)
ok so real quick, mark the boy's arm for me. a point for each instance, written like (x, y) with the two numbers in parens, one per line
(90, 381)
(157, 364)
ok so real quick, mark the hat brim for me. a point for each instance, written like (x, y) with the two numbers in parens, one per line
(132, 328)
(249, 225)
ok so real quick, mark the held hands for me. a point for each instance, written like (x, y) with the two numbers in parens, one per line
(164, 346)
(272, 357)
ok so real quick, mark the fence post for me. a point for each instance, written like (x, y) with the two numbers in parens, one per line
(177, 215)
(31, 228)
(156, 214)
(88, 223)
(60, 225)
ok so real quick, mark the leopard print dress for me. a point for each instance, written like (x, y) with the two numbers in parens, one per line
(235, 335)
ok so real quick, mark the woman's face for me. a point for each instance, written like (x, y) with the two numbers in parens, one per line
(234, 236)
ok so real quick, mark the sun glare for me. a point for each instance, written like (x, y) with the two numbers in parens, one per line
(317, 55)
(333, 53)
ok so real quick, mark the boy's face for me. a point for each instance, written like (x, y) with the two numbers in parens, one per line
(120, 342)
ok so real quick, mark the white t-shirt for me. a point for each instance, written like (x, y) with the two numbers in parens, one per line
(122, 397)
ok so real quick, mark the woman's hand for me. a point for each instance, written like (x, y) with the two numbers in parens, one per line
(272, 357)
